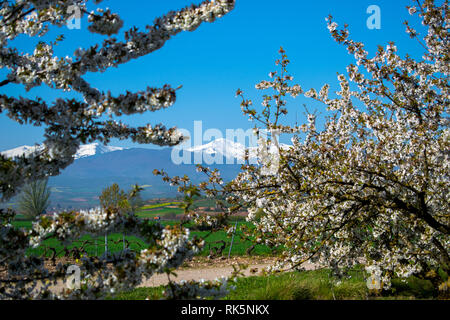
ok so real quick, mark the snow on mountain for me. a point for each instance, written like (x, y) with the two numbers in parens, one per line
(230, 149)
(23, 150)
(85, 150)
(93, 149)
(222, 146)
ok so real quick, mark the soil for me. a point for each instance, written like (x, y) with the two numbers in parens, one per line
(205, 262)
(198, 268)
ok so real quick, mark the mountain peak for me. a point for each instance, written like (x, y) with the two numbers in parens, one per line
(230, 149)
(85, 150)
(92, 149)
(222, 146)
(16, 152)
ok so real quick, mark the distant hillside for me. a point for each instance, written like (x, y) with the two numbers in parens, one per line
(97, 166)
(80, 184)
(85, 150)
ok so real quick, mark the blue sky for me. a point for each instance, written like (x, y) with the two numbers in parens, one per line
(236, 51)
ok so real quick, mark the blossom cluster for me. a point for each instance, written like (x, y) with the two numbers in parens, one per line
(71, 122)
(371, 187)
(100, 277)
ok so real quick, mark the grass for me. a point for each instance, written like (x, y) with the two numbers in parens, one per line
(23, 224)
(316, 285)
(239, 245)
(155, 293)
(306, 285)
(160, 211)
(163, 210)
(413, 286)
(159, 205)
(96, 246)
(205, 202)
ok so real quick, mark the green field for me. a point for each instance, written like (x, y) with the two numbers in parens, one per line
(169, 214)
(159, 205)
(205, 202)
(301, 285)
(165, 208)
(162, 212)
(96, 246)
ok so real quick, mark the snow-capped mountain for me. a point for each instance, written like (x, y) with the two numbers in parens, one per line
(230, 149)
(224, 147)
(98, 166)
(16, 152)
(92, 149)
(221, 146)
(85, 150)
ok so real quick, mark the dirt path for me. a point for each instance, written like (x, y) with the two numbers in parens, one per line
(203, 268)
(210, 270)
(198, 274)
